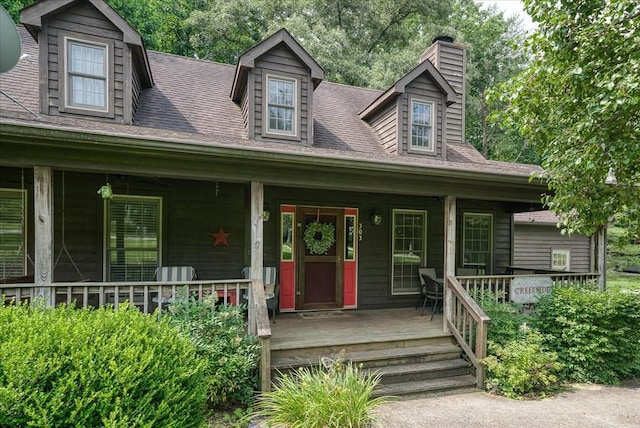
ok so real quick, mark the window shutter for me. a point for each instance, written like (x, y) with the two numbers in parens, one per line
(133, 238)
(12, 233)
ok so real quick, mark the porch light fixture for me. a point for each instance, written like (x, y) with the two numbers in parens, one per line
(376, 218)
(266, 213)
(105, 191)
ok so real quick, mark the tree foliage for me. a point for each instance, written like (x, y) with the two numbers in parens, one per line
(494, 55)
(578, 101)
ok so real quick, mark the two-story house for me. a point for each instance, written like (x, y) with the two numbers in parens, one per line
(115, 161)
(180, 141)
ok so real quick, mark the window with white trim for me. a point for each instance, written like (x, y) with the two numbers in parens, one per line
(409, 250)
(560, 259)
(12, 233)
(281, 105)
(132, 237)
(422, 125)
(477, 241)
(86, 75)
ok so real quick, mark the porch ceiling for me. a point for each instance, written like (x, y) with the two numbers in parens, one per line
(24, 146)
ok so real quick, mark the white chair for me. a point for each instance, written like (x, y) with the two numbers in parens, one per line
(172, 274)
(271, 287)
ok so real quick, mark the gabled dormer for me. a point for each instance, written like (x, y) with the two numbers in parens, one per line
(274, 84)
(413, 116)
(92, 62)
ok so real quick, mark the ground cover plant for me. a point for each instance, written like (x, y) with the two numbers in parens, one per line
(219, 335)
(518, 364)
(331, 394)
(79, 367)
(522, 366)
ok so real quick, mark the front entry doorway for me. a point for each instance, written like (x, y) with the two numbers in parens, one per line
(320, 273)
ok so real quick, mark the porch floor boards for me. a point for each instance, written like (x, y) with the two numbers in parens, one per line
(292, 331)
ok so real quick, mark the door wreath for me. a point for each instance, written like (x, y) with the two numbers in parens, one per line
(319, 237)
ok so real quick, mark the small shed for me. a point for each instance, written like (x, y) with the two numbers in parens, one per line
(539, 244)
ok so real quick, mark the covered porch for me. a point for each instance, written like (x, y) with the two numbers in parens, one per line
(76, 249)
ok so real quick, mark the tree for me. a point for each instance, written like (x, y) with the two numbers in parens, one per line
(579, 103)
(494, 55)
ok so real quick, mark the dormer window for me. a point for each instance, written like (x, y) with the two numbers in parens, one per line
(422, 125)
(282, 106)
(86, 81)
(87, 75)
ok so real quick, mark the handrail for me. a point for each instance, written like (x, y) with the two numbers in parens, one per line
(258, 304)
(469, 324)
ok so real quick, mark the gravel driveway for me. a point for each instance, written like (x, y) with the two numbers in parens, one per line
(585, 406)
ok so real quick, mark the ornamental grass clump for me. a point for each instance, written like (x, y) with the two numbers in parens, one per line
(332, 394)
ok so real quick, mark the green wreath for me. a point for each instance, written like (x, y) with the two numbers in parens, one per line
(319, 237)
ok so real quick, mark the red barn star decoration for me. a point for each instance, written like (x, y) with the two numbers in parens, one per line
(221, 237)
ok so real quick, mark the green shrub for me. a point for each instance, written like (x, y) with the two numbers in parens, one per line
(333, 395)
(596, 334)
(521, 366)
(506, 318)
(220, 336)
(89, 368)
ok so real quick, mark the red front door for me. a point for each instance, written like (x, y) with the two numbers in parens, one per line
(320, 277)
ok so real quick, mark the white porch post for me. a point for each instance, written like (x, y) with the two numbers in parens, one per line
(257, 245)
(602, 257)
(43, 230)
(450, 209)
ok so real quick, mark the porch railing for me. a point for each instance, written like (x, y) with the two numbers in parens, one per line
(468, 323)
(152, 295)
(499, 285)
(145, 295)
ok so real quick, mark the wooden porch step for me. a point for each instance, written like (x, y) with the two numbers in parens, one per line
(384, 357)
(408, 370)
(429, 386)
(404, 373)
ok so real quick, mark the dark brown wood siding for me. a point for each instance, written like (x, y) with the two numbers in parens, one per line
(85, 22)
(192, 211)
(422, 88)
(374, 257)
(385, 124)
(533, 244)
(450, 60)
(280, 61)
(502, 232)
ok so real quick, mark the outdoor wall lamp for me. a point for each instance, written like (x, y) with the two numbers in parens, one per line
(376, 218)
(266, 213)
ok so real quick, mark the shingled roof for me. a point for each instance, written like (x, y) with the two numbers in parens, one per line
(190, 104)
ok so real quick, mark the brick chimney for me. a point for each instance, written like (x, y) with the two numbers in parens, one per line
(450, 59)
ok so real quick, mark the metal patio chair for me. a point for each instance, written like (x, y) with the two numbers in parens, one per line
(430, 289)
